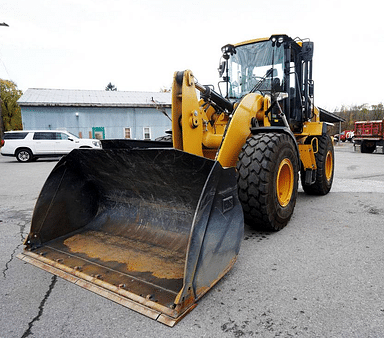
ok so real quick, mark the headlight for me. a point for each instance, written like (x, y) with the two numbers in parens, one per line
(96, 143)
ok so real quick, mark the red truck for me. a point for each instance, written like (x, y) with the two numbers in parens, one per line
(346, 135)
(369, 135)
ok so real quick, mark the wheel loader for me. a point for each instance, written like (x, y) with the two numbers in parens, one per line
(154, 226)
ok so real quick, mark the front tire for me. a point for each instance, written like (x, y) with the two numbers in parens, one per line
(24, 155)
(325, 162)
(267, 180)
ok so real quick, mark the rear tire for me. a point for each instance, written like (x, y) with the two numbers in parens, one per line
(267, 180)
(367, 147)
(24, 155)
(325, 162)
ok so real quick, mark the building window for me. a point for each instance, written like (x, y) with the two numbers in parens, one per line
(147, 133)
(127, 132)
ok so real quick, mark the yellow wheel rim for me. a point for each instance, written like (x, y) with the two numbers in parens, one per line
(328, 165)
(284, 184)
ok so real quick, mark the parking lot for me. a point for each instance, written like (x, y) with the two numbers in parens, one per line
(321, 276)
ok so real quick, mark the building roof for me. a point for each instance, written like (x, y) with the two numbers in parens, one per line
(326, 116)
(93, 98)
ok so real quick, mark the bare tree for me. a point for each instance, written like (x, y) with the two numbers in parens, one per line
(363, 112)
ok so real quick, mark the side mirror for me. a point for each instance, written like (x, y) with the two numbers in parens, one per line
(227, 50)
(307, 51)
(222, 68)
(70, 139)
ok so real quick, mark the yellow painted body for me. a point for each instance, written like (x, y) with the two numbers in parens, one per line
(307, 156)
(239, 129)
(200, 130)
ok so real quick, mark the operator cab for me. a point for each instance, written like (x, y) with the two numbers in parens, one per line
(279, 67)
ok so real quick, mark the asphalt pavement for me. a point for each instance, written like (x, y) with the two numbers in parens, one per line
(321, 276)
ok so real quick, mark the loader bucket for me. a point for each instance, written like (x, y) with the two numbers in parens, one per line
(151, 229)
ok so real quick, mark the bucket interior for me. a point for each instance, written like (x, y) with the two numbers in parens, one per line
(122, 216)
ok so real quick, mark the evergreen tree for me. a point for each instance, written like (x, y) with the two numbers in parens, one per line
(111, 87)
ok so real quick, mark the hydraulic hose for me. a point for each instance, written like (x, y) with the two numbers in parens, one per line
(210, 94)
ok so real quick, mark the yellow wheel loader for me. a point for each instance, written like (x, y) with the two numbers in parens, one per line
(153, 227)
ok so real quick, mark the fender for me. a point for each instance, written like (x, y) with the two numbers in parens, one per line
(277, 129)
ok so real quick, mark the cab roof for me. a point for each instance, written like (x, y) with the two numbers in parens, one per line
(247, 42)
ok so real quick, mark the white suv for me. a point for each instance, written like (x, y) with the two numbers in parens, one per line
(28, 145)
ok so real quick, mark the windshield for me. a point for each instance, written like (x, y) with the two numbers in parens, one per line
(250, 69)
(76, 137)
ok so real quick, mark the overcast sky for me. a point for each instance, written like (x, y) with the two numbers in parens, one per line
(137, 45)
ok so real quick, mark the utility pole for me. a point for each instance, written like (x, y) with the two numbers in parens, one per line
(1, 113)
